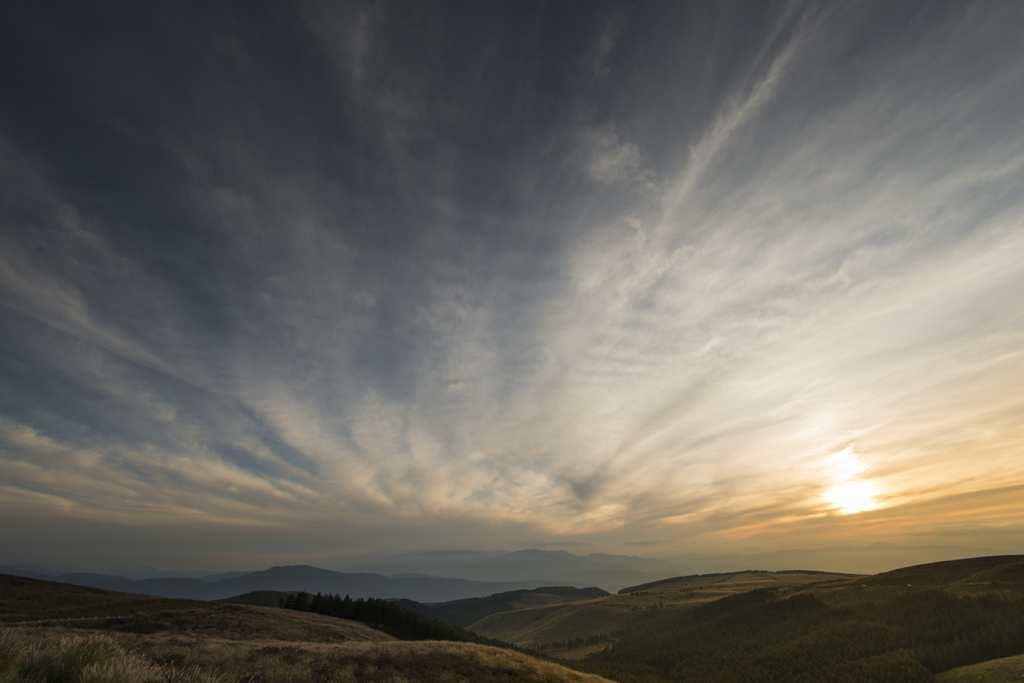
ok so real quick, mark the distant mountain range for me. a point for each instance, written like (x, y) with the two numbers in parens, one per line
(459, 613)
(445, 576)
(554, 567)
(294, 578)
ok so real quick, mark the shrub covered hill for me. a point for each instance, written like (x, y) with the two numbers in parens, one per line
(904, 625)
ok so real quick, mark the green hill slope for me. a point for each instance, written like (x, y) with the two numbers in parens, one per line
(471, 610)
(904, 625)
(994, 671)
(572, 630)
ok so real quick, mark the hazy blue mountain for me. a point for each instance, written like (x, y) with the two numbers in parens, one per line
(168, 587)
(431, 562)
(141, 573)
(302, 578)
(33, 571)
(610, 572)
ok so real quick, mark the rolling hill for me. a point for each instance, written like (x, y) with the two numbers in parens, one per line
(1003, 669)
(903, 625)
(210, 642)
(23, 599)
(549, 627)
(960, 620)
(471, 610)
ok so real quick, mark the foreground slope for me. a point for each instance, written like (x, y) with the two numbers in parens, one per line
(54, 654)
(200, 642)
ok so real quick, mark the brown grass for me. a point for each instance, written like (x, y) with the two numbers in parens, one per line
(61, 654)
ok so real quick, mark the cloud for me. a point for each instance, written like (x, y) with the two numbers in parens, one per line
(589, 289)
(607, 160)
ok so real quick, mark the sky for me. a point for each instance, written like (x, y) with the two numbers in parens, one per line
(293, 280)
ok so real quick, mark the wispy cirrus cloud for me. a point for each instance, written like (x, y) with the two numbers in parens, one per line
(418, 290)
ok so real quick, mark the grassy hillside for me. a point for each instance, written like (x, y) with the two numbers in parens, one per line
(258, 598)
(904, 625)
(979, 574)
(52, 655)
(245, 622)
(572, 630)
(210, 642)
(959, 621)
(22, 599)
(994, 671)
(31, 599)
(468, 611)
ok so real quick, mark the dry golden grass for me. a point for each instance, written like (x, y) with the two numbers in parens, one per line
(59, 655)
(48, 655)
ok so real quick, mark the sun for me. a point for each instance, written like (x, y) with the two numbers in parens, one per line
(853, 496)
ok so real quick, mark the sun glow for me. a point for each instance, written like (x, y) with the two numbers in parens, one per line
(851, 494)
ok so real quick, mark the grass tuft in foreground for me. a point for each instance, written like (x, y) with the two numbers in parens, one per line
(57, 656)
(60, 655)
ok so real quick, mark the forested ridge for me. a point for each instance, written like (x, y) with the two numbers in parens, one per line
(760, 637)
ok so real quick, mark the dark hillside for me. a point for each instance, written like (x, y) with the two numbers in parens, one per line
(257, 598)
(1006, 568)
(425, 610)
(471, 610)
(24, 599)
(863, 629)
